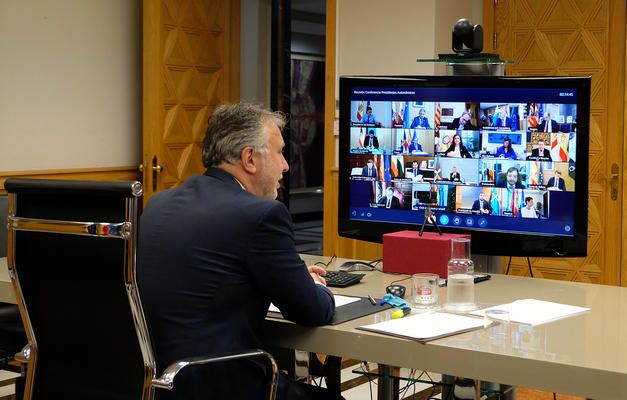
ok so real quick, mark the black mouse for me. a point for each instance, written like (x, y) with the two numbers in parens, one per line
(396, 290)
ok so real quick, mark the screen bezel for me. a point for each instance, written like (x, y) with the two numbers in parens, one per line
(484, 242)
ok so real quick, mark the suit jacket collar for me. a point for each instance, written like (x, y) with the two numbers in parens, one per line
(223, 176)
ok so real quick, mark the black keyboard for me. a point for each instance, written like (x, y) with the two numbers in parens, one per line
(342, 279)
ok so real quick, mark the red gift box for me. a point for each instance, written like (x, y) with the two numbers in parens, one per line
(407, 253)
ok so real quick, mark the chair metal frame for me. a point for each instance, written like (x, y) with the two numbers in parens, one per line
(126, 231)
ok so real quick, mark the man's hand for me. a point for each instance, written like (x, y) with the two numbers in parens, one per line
(317, 274)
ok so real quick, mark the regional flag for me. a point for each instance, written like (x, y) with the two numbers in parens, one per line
(564, 147)
(534, 173)
(362, 135)
(360, 112)
(437, 170)
(399, 167)
(495, 201)
(386, 170)
(406, 115)
(394, 168)
(442, 194)
(412, 144)
(405, 143)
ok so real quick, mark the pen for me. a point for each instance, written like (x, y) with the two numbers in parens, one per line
(372, 300)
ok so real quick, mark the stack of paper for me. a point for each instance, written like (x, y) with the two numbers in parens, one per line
(428, 326)
(535, 312)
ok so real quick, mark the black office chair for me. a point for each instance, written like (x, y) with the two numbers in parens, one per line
(71, 256)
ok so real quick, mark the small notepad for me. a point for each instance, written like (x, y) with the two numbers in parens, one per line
(536, 312)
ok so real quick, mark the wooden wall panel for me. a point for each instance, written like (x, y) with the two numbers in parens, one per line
(191, 65)
(575, 37)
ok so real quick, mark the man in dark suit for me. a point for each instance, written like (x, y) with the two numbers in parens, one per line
(216, 250)
(389, 200)
(371, 140)
(548, 125)
(512, 180)
(369, 170)
(420, 122)
(463, 123)
(481, 205)
(540, 153)
(415, 173)
(556, 182)
(454, 175)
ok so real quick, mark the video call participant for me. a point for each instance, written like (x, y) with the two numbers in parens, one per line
(501, 119)
(457, 149)
(454, 176)
(415, 173)
(369, 170)
(369, 118)
(481, 205)
(556, 182)
(463, 122)
(547, 124)
(511, 181)
(371, 141)
(528, 211)
(506, 151)
(216, 250)
(420, 122)
(389, 200)
(540, 153)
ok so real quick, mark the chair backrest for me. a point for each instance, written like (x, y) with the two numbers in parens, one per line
(71, 255)
(3, 226)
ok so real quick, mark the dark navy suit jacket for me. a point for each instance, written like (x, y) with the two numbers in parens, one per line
(211, 259)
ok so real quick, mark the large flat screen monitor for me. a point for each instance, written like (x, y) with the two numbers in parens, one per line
(502, 158)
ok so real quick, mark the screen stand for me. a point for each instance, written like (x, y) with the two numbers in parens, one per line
(509, 263)
(430, 218)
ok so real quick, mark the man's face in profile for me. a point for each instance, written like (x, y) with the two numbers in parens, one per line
(512, 177)
(271, 163)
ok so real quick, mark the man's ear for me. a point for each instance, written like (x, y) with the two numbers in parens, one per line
(249, 163)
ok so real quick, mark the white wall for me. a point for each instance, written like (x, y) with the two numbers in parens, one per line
(70, 84)
(384, 37)
(376, 37)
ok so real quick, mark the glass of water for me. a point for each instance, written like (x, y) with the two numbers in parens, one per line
(425, 290)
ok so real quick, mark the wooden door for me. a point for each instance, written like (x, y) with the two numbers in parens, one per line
(191, 64)
(575, 37)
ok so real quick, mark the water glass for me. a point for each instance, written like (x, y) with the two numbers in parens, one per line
(425, 289)
(502, 320)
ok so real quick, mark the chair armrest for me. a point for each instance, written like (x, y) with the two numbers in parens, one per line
(166, 381)
(24, 355)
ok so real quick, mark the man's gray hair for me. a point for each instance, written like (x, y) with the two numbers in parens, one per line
(232, 127)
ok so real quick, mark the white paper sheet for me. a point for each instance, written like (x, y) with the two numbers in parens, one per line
(427, 326)
(339, 302)
(535, 312)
